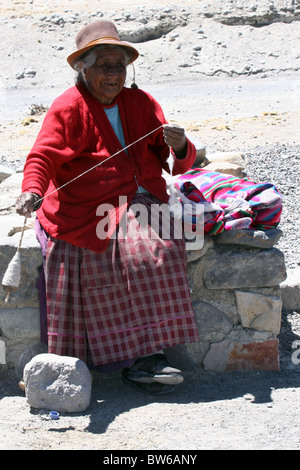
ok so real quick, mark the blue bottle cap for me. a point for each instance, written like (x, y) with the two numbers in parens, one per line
(54, 415)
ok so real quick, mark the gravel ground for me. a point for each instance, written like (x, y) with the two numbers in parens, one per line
(280, 165)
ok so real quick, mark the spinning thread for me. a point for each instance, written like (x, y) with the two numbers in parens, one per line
(12, 277)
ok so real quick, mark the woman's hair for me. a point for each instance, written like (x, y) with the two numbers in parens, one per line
(88, 59)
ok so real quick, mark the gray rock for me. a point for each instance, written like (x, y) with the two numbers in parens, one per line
(213, 324)
(235, 270)
(290, 290)
(254, 238)
(20, 330)
(58, 383)
(26, 355)
(260, 312)
(5, 172)
(20, 323)
(31, 260)
(193, 255)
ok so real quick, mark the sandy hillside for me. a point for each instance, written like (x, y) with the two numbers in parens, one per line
(231, 83)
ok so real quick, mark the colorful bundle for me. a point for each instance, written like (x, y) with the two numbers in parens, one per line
(230, 202)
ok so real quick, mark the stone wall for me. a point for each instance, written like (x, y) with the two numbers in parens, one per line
(234, 281)
(235, 286)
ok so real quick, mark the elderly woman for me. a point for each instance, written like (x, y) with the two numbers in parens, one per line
(116, 290)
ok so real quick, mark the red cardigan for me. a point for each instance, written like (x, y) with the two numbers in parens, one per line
(76, 135)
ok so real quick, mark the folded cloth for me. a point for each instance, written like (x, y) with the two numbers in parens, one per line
(229, 202)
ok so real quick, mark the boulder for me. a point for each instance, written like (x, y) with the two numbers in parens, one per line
(58, 383)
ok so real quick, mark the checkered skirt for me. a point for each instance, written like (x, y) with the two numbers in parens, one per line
(131, 300)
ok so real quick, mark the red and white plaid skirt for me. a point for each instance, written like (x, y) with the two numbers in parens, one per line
(129, 301)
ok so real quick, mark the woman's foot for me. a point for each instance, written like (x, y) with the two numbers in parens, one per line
(154, 388)
(154, 369)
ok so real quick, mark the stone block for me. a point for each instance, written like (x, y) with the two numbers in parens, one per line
(254, 238)
(242, 269)
(290, 290)
(213, 324)
(187, 356)
(239, 356)
(260, 312)
(232, 157)
(230, 163)
(58, 383)
(20, 323)
(226, 168)
(20, 328)
(193, 255)
(31, 261)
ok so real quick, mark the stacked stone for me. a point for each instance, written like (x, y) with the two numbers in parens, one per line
(235, 283)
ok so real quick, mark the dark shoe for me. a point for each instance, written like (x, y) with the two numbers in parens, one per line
(153, 388)
(153, 369)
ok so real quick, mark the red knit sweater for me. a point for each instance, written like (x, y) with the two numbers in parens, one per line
(75, 136)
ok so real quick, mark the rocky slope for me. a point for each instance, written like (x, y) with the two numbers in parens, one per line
(177, 41)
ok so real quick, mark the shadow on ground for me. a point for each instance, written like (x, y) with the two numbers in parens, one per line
(111, 398)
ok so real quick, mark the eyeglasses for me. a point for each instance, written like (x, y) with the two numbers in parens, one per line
(106, 68)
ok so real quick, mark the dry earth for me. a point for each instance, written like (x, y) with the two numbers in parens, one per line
(241, 90)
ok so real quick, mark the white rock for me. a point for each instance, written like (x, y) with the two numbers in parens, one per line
(290, 290)
(58, 383)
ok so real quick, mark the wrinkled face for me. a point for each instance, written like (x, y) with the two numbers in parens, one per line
(106, 78)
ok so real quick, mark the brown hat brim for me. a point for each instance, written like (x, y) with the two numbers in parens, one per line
(73, 58)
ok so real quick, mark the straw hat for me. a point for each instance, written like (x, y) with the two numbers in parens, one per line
(95, 33)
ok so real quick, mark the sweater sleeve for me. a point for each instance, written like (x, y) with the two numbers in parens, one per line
(181, 165)
(59, 141)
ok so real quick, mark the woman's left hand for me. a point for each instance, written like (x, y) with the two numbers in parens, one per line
(175, 137)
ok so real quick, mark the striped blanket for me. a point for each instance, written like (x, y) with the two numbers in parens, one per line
(229, 202)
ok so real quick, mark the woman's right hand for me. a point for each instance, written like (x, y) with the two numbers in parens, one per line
(27, 203)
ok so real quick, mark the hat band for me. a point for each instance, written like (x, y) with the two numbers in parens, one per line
(103, 38)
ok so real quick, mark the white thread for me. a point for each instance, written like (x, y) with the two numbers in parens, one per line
(99, 164)
(12, 276)
(174, 203)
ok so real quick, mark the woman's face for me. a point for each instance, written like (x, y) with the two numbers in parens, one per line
(106, 78)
